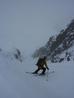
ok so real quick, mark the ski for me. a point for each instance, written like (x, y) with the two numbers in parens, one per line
(39, 74)
(31, 73)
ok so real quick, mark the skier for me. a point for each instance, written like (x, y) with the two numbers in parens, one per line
(42, 65)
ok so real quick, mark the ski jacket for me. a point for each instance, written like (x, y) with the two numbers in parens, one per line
(42, 63)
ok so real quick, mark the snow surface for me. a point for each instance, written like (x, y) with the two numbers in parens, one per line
(15, 83)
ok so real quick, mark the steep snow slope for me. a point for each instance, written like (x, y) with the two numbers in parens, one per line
(15, 83)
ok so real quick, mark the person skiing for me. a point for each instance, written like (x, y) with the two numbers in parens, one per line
(42, 65)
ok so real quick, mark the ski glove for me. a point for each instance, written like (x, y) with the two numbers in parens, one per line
(47, 68)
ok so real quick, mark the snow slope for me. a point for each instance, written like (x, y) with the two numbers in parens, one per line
(15, 83)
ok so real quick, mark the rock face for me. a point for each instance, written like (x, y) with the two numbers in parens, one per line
(57, 45)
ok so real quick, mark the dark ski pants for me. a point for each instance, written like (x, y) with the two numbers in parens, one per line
(43, 68)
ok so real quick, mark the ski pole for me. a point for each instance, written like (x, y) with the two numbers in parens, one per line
(47, 75)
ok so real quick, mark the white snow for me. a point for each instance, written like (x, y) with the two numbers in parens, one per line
(15, 83)
(27, 25)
